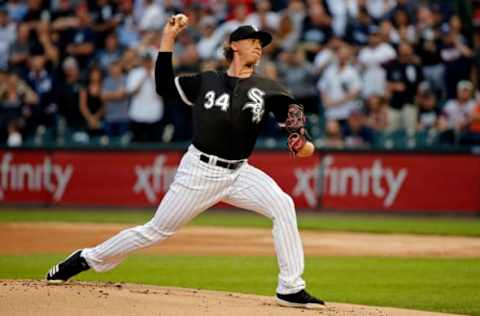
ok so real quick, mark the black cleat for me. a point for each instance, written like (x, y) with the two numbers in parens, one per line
(300, 299)
(72, 265)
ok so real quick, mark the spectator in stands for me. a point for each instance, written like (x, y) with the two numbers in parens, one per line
(263, 17)
(404, 30)
(372, 58)
(7, 37)
(103, 18)
(428, 109)
(316, 29)
(82, 41)
(379, 9)
(457, 57)
(297, 74)
(16, 10)
(63, 20)
(112, 51)
(16, 100)
(152, 17)
(457, 113)
(146, 107)
(356, 132)
(327, 55)
(91, 104)
(46, 45)
(404, 76)
(376, 107)
(340, 11)
(428, 49)
(240, 14)
(19, 50)
(187, 59)
(208, 45)
(358, 29)
(40, 80)
(408, 6)
(333, 135)
(296, 11)
(14, 136)
(36, 13)
(67, 95)
(115, 97)
(286, 36)
(130, 60)
(127, 29)
(340, 87)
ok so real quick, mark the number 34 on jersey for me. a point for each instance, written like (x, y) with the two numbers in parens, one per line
(256, 102)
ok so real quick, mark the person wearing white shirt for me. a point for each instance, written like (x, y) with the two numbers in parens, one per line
(458, 111)
(146, 107)
(341, 10)
(379, 8)
(7, 37)
(240, 18)
(340, 87)
(327, 55)
(263, 17)
(371, 59)
(208, 47)
(153, 17)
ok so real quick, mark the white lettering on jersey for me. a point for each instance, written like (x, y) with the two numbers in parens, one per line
(223, 101)
(256, 105)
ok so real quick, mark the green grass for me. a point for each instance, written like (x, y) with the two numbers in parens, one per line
(321, 222)
(444, 285)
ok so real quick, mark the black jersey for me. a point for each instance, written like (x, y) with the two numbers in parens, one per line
(229, 112)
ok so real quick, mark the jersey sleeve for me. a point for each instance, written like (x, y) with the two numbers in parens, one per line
(278, 100)
(182, 88)
(188, 87)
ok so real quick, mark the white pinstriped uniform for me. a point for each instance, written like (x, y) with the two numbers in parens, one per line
(198, 186)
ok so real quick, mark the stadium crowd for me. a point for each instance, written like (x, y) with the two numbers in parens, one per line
(79, 70)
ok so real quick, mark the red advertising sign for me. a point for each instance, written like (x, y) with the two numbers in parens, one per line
(118, 178)
(401, 182)
(342, 181)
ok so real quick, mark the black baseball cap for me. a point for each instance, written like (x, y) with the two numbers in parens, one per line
(249, 31)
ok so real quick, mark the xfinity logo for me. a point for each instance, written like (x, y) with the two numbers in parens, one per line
(376, 180)
(33, 177)
(154, 178)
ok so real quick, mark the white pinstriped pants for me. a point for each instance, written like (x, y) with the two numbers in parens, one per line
(197, 187)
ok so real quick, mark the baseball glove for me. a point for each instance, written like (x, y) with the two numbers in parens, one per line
(295, 127)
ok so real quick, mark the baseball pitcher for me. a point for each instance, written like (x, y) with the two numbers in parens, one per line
(229, 109)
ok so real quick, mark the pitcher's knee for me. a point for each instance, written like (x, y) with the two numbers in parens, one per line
(151, 234)
(287, 202)
(287, 207)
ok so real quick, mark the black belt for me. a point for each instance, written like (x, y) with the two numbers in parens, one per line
(221, 163)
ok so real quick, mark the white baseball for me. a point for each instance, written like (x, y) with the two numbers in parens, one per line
(182, 19)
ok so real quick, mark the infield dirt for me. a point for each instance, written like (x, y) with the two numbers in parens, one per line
(65, 237)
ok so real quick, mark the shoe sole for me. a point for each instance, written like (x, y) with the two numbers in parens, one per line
(56, 282)
(299, 305)
(60, 282)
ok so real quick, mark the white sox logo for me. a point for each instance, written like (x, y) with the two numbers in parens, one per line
(256, 105)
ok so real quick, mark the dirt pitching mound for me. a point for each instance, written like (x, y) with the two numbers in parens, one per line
(81, 298)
